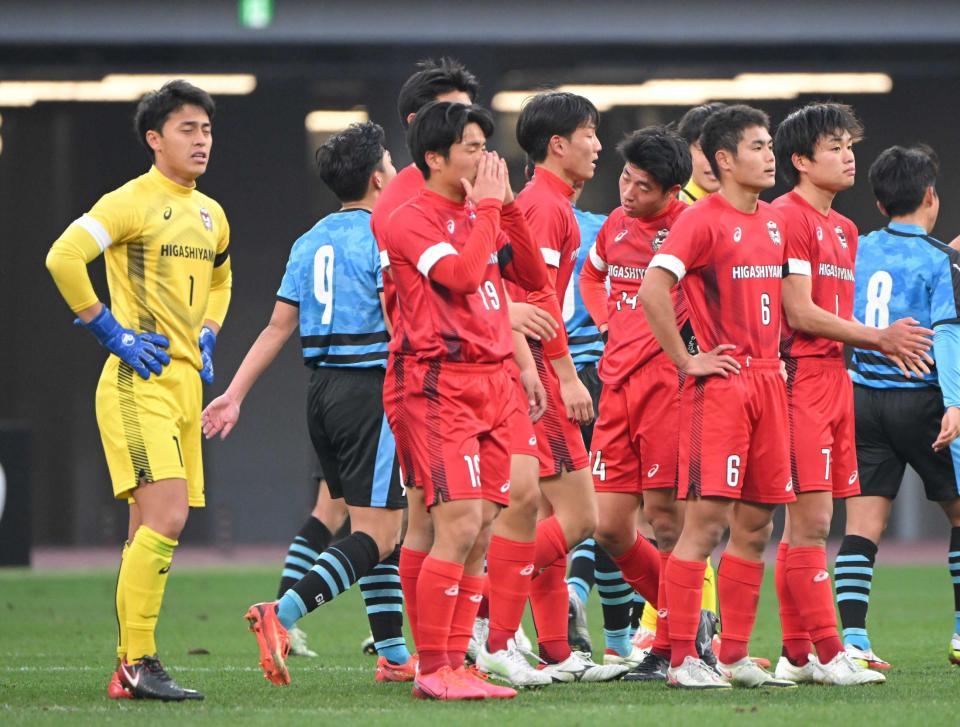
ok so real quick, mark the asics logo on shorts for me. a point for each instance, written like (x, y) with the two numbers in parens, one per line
(526, 570)
(853, 477)
(653, 470)
(789, 486)
(662, 613)
(532, 442)
(453, 590)
(505, 487)
(476, 598)
(821, 577)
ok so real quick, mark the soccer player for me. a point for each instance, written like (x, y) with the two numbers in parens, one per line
(702, 179)
(331, 289)
(814, 147)
(733, 468)
(902, 271)
(168, 270)
(449, 397)
(558, 131)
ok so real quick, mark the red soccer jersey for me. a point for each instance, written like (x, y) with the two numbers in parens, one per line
(731, 265)
(402, 188)
(435, 322)
(823, 247)
(622, 252)
(547, 205)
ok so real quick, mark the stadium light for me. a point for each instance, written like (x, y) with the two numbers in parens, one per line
(119, 87)
(693, 91)
(327, 121)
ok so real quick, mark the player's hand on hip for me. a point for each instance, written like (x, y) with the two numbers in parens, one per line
(532, 322)
(536, 394)
(490, 181)
(577, 401)
(145, 353)
(713, 363)
(220, 416)
(949, 428)
(207, 342)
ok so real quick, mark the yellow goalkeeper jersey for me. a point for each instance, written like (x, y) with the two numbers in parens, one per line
(166, 252)
(692, 192)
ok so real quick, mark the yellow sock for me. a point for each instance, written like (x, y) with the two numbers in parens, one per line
(144, 575)
(121, 608)
(708, 601)
(649, 618)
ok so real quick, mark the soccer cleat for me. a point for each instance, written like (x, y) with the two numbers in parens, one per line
(368, 647)
(115, 689)
(446, 685)
(147, 679)
(653, 668)
(273, 641)
(706, 630)
(809, 673)
(390, 672)
(578, 635)
(866, 657)
(523, 641)
(954, 654)
(747, 673)
(298, 643)
(844, 671)
(510, 665)
(760, 661)
(695, 674)
(481, 630)
(610, 656)
(643, 638)
(480, 680)
(578, 667)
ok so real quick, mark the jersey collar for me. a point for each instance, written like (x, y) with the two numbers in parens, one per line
(168, 184)
(694, 191)
(905, 230)
(551, 180)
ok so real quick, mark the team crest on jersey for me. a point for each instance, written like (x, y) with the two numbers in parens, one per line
(620, 235)
(206, 219)
(737, 235)
(819, 233)
(450, 226)
(773, 231)
(838, 231)
(661, 238)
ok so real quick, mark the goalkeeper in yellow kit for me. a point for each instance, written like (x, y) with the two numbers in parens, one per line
(168, 270)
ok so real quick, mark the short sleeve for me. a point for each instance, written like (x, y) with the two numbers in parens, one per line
(289, 291)
(375, 263)
(799, 245)
(689, 246)
(945, 295)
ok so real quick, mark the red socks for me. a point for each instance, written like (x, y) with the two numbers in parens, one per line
(438, 588)
(684, 589)
(738, 588)
(641, 568)
(809, 583)
(461, 626)
(550, 542)
(410, 564)
(796, 639)
(549, 601)
(661, 642)
(509, 570)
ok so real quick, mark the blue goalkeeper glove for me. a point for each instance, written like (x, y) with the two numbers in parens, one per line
(143, 352)
(207, 342)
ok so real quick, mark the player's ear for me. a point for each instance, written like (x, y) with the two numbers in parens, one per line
(434, 161)
(557, 144)
(799, 162)
(154, 139)
(929, 196)
(883, 210)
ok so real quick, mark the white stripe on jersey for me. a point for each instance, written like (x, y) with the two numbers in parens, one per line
(97, 231)
(432, 254)
(550, 256)
(598, 262)
(669, 262)
(798, 267)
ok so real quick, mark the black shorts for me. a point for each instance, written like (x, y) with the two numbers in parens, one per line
(896, 427)
(316, 469)
(352, 438)
(591, 379)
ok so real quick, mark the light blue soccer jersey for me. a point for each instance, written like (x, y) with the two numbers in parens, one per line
(901, 272)
(583, 337)
(334, 277)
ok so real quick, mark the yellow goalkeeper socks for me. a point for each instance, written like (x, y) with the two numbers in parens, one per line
(121, 608)
(708, 601)
(143, 576)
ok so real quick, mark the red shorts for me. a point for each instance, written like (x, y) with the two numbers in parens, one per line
(635, 438)
(452, 424)
(523, 437)
(559, 441)
(734, 438)
(823, 453)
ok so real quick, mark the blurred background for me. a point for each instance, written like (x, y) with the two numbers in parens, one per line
(287, 73)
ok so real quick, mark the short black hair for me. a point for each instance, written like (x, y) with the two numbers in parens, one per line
(346, 160)
(660, 152)
(800, 131)
(691, 123)
(155, 107)
(432, 79)
(439, 125)
(549, 114)
(724, 129)
(900, 177)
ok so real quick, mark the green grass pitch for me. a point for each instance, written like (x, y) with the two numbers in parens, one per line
(56, 653)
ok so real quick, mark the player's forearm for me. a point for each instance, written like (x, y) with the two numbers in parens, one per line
(593, 292)
(807, 317)
(658, 307)
(67, 262)
(261, 354)
(564, 367)
(946, 351)
(528, 267)
(463, 272)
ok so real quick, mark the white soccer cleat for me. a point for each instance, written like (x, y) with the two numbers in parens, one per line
(809, 673)
(695, 674)
(579, 667)
(298, 643)
(643, 638)
(866, 657)
(632, 659)
(843, 671)
(750, 675)
(954, 653)
(481, 630)
(510, 665)
(524, 645)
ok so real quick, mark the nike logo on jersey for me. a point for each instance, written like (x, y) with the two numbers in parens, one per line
(453, 590)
